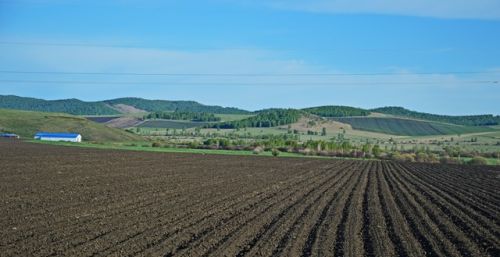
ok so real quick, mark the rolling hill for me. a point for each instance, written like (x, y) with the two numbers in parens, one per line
(388, 120)
(27, 123)
(164, 105)
(467, 120)
(408, 127)
(70, 106)
(110, 107)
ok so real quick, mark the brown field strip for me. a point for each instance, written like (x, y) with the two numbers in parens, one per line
(64, 201)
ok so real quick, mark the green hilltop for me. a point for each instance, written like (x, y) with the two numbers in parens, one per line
(107, 107)
(337, 111)
(70, 106)
(165, 105)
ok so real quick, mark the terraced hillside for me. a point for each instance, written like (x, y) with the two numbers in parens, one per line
(408, 127)
(60, 201)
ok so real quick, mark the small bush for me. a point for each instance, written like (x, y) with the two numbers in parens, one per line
(275, 152)
(156, 144)
(194, 144)
(306, 151)
(257, 150)
(478, 160)
(405, 157)
(447, 160)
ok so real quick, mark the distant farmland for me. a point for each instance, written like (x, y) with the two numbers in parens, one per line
(172, 124)
(101, 119)
(407, 127)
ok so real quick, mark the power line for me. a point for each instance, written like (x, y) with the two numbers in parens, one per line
(247, 74)
(244, 83)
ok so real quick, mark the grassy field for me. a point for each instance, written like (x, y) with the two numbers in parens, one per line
(27, 123)
(408, 127)
(146, 146)
(172, 124)
(491, 161)
(483, 141)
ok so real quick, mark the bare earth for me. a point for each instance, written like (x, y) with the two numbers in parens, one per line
(123, 122)
(63, 201)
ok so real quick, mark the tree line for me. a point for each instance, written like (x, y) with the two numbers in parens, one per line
(177, 115)
(337, 111)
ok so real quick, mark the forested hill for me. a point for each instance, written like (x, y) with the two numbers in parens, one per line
(264, 118)
(71, 106)
(182, 106)
(337, 111)
(78, 107)
(469, 120)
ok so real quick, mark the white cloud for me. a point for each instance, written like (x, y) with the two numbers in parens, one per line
(448, 9)
(401, 87)
(62, 58)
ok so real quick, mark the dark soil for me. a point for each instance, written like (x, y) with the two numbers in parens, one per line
(64, 201)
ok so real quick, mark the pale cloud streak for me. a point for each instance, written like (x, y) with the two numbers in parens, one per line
(447, 9)
(402, 87)
(231, 61)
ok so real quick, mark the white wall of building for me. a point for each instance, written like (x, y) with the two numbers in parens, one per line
(76, 139)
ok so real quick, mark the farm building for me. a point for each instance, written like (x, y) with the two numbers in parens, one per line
(9, 135)
(49, 136)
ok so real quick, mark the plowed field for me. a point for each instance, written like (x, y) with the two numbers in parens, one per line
(64, 201)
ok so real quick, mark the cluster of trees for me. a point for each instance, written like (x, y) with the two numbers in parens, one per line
(337, 111)
(335, 147)
(264, 119)
(164, 105)
(469, 120)
(178, 115)
(316, 133)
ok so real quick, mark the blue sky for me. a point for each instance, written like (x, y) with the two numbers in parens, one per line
(380, 53)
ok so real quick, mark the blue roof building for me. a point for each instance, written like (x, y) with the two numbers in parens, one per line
(50, 136)
(9, 135)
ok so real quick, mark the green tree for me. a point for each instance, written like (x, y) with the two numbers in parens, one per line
(376, 151)
(366, 149)
(323, 131)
